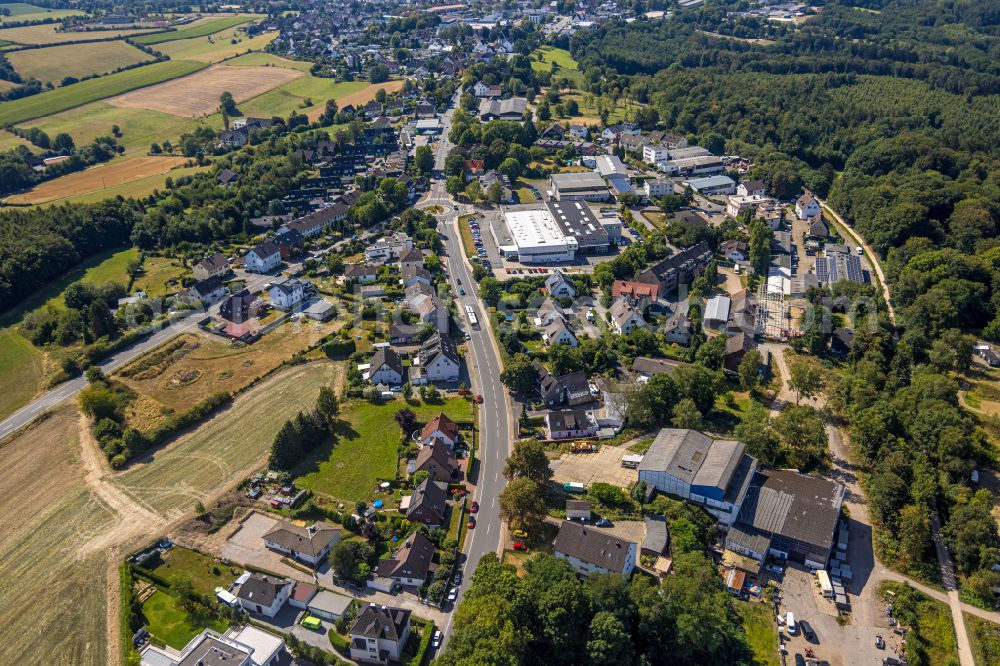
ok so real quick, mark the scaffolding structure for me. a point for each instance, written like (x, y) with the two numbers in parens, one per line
(772, 313)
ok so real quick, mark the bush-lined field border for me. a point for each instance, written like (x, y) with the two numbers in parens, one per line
(94, 90)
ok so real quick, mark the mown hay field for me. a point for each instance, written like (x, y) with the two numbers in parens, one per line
(200, 28)
(54, 63)
(213, 48)
(100, 177)
(47, 33)
(198, 95)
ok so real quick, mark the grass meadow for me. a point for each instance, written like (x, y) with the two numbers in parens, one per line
(199, 29)
(54, 63)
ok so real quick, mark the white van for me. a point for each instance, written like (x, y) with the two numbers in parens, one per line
(790, 623)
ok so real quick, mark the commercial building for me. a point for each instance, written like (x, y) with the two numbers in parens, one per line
(587, 186)
(692, 166)
(712, 185)
(502, 109)
(713, 473)
(554, 231)
(788, 515)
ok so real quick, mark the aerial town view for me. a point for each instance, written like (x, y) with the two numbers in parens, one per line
(560, 333)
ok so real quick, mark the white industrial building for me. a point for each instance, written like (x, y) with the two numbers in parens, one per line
(553, 232)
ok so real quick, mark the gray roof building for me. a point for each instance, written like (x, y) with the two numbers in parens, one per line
(590, 549)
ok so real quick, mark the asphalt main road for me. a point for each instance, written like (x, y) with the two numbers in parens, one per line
(484, 369)
(67, 390)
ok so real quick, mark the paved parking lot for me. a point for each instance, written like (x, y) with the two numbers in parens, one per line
(604, 465)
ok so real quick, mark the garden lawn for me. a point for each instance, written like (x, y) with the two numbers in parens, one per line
(169, 622)
(758, 623)
(198, 568)
(366, 447)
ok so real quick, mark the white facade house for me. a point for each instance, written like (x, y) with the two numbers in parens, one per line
(657, 188)
(306, 544)
(286, 294)
(590, 550)
(439, 359)
(388, 248)
(379, 634)
(264, 258)
(625, 318)
(806, 206)
(239, 646)
(559, 286)
(385, 368)
(653, 154)
(559, 333)
(264, 595)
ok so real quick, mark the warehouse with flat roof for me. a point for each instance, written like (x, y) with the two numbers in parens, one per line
(553, 231)
(587, 186)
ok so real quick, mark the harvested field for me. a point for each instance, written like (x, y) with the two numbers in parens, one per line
(136, 188)
(48, 34)
(40, 550)
(76, 60)
(214, 48)
(222, 367)
(198, 95)
(78, 94)
(231, 444)
(98, 178)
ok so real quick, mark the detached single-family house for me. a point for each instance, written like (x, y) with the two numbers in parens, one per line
(634, 292)
(262, 594)
(737, 347)
(287, 293)
(751, 188)
(678, 329)
(439, 359)
(428, 504)
(411, 258)
(264, 258)
(379, 634)
(385, 367)
(548, 312)
(361, 273)
(212, 266)
(440, 427)
(559, 333)
(206, 291)
(579, 131)
(410, 275)
(559, 286)
(806, 206)
(240, 307)
(735, 250)
(817, 227)
(410, 564)
(590, 550)
(570, 423)
(625, 318)
(309, 544)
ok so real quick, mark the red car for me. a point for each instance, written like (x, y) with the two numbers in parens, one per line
(472, 522)
(518, 545)
(479, 398)
(474, 508)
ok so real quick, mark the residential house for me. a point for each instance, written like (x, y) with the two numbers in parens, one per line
(411, 564)
(379, 634)
(678, 329)
(264, 258)
(559, 286)
(411, 275)
(571, 389)
(751, 188)
(440, 427)
(439, 359)
(240, 307)
(438, 461)
(635, 292)
(570, 423)
(624, 317)
(691, 465)
(361, 273)
(678, 269)
(735, 250)
(644, 367)
(817, 227)
(742, 313)
(559, 333)
(239, 646)
(589, 550)
(806, 206)
(655, 154)
(579, 131)
(309, 544)
(206, 291)
(411, 258)
(737, 347)
(657, 187)
(213, 266)
(287, 293)
(473, 169)
(428, 504)
(264, 595)
(289, 244)
(548, 312)
(232, 138)
(385, 367)
(553, 131)
(389, 247)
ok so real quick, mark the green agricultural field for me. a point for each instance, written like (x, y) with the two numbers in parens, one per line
(139, 127)
(170, 623)
(22, 11)
(20, 371)
(289, 97)
(49, 33)
(365, 450)
(201, 29)
(217, 47)
(265, 59)
(232, 443)
(78, 94)
(77, 60)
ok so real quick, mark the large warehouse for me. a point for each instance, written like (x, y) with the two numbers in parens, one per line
(587, 186)
(553, 232)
